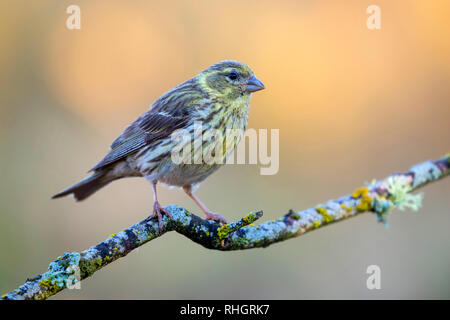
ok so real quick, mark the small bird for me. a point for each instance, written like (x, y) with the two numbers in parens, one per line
(218, 98)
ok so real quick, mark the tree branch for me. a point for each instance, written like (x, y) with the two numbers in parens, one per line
(378, 197)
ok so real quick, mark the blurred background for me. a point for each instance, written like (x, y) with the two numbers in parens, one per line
(351, 104)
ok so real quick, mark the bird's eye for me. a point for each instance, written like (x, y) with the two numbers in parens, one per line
(233, 75)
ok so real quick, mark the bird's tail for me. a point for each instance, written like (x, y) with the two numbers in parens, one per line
(87, 186)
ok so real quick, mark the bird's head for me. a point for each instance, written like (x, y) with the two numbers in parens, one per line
(229, 79)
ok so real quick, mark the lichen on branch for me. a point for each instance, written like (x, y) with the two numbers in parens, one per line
(379, 197)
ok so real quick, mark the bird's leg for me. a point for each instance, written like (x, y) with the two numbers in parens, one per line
(157, 209)
(209, 214)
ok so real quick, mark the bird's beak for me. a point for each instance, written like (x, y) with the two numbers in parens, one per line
(253, 84)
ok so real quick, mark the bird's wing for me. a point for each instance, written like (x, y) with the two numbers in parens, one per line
(167, 114)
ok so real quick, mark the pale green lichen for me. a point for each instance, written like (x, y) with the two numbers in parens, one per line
(398, 196)
(399, 188)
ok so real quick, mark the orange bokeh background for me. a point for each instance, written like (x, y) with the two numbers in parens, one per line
(351, 104)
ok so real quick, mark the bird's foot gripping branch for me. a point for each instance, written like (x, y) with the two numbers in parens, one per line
(378, 197)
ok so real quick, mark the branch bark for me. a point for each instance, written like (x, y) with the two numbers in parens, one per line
(378, 197)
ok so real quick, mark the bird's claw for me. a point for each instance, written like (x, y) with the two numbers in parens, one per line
(157, 211)
(215, 217)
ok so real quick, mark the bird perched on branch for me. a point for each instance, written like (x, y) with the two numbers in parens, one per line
(218, 98)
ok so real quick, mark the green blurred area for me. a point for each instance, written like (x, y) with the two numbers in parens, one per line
(351, 104)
